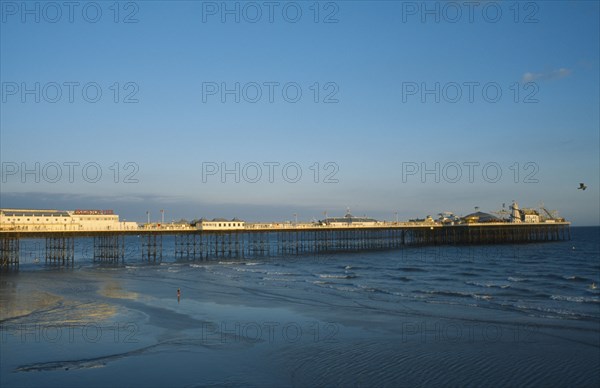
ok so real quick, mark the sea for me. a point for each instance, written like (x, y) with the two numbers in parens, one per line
(493, 315)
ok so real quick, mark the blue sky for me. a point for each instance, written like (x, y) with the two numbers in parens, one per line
(369, 123)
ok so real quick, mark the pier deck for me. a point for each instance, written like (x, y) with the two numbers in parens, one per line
(280, 240)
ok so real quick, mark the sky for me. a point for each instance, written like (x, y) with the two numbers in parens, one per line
(262, 110)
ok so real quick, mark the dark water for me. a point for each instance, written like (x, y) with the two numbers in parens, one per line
(487, 315)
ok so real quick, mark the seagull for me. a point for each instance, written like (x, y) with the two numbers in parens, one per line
(582, 186)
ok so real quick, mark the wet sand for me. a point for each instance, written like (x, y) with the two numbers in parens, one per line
(126, 327)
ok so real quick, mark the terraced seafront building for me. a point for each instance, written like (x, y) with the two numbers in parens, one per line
(61, 220)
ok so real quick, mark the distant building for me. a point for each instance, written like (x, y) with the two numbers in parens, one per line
(62, 220)
(515, 215)
(220, 224)
(530, 216)
(524, 215)
(349, 220)
(480, 217)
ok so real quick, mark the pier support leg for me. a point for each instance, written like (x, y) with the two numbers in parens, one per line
(109, 248)
(187, 247)
(9, 253)
(152, 247)
(60, 250)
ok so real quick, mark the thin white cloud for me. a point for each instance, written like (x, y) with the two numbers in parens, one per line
(547, 76)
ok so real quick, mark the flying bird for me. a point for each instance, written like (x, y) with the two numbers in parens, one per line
(582, 186)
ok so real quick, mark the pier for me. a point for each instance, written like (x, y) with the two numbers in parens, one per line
(271, 241)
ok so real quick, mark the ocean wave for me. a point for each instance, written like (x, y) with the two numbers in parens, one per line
(576, 299)
(345, 289)
(553, 313)
(369, 288)
(460, 294)
(573, 278)
(516, 279)
(576, 278)
(240, 269)
(332, 276)
(266, 278)
(360, 267)
(488, 285)
(278, 273)
(335, 286)
(374, 290)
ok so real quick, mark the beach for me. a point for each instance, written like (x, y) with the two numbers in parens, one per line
(507, 315)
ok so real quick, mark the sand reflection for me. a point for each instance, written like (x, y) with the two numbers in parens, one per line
(113, 289)
(19, 302)
(24, 301)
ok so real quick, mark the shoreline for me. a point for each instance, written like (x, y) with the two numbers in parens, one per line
(328, 321)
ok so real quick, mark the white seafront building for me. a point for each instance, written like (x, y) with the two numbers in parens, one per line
(62, 220)
(528, 216)
(220, 224)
